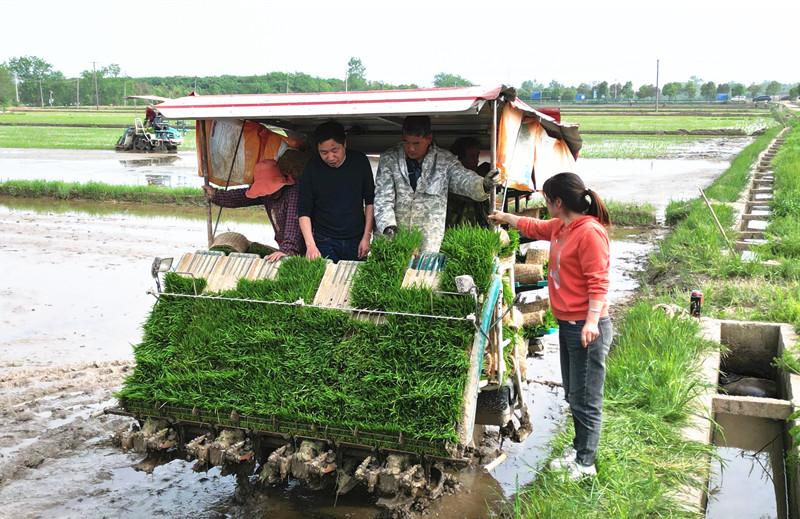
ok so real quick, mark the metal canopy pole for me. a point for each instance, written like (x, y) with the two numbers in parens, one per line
(493, 193)
(204, 166)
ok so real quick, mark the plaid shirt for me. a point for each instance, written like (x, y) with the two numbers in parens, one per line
(282, 213)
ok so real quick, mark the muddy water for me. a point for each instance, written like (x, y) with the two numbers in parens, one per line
(655, 181)
(749, 479)
(110, 167)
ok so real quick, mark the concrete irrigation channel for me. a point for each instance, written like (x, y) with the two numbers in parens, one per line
(73, 308)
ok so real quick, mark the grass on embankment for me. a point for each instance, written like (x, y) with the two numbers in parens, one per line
(69, 138)
(70, 117)
(652, 379)
(694, 255)
(653, 371)
(101, 192)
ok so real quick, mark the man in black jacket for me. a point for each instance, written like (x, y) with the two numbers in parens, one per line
(337, 192)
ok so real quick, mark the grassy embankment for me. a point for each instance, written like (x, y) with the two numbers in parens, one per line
(70, 117)
(653, 374)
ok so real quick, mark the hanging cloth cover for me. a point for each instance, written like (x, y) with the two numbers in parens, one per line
(257, 143)
(526, 154)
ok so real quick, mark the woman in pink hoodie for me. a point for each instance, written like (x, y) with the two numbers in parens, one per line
(578, 286)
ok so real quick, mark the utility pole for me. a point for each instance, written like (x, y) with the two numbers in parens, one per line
(657, 85)
(96, 93)
(16, 85)
(41, 93)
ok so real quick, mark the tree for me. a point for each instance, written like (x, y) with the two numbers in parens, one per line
(6, 87)
(30, 67)
(585, 89)
(723, 88)
(773, 88)
(31, 71)
(569, 93)
(111, 70)
(690, 89)
(671, 90)
(443, 79)
(615, 90)
(754, 89)
(627, 90)
(602, 90)
(527, 88)
(794, 91)
(356, 75)
(553, 91)
(646, 91)
(737, 89)
(708, 90)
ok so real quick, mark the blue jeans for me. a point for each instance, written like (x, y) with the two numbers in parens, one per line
(335, 249)
(583, 371)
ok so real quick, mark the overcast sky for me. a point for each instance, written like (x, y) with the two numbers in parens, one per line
(410, 41)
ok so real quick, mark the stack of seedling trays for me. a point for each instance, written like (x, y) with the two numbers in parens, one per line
(262, 357)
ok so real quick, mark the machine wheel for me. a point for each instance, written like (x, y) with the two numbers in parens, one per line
(141, 144)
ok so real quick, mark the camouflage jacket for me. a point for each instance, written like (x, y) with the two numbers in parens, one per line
(397, 204)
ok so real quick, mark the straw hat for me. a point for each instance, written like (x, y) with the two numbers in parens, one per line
(267, 179)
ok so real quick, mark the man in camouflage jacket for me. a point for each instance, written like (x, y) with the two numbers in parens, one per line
(413, 180)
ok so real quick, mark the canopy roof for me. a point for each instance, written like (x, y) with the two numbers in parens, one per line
(373, 118)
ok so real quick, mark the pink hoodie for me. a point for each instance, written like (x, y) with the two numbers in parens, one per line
(579, 263)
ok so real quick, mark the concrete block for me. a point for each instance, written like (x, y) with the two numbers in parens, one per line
(772, 408)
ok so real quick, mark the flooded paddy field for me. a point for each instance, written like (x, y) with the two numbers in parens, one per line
(74, 305)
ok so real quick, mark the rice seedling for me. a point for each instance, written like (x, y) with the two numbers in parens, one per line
(651, 378)
(316, 365)
(101, 192)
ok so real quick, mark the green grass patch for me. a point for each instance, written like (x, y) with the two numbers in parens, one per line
(101, 192)
(136, 209)
(67, 117)
(631, 214)
(652, 378)
(55, 137)
(320, 366)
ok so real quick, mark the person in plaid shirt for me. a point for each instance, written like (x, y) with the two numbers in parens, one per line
(274, 187)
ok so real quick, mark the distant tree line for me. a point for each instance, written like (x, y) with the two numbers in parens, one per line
(39, 84)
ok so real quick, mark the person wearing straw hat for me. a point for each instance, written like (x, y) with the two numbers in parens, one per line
(275, 187)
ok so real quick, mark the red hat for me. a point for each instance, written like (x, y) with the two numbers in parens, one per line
(267, 179)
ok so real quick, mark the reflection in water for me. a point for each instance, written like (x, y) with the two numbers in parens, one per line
(748, 479)
(161, 160)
